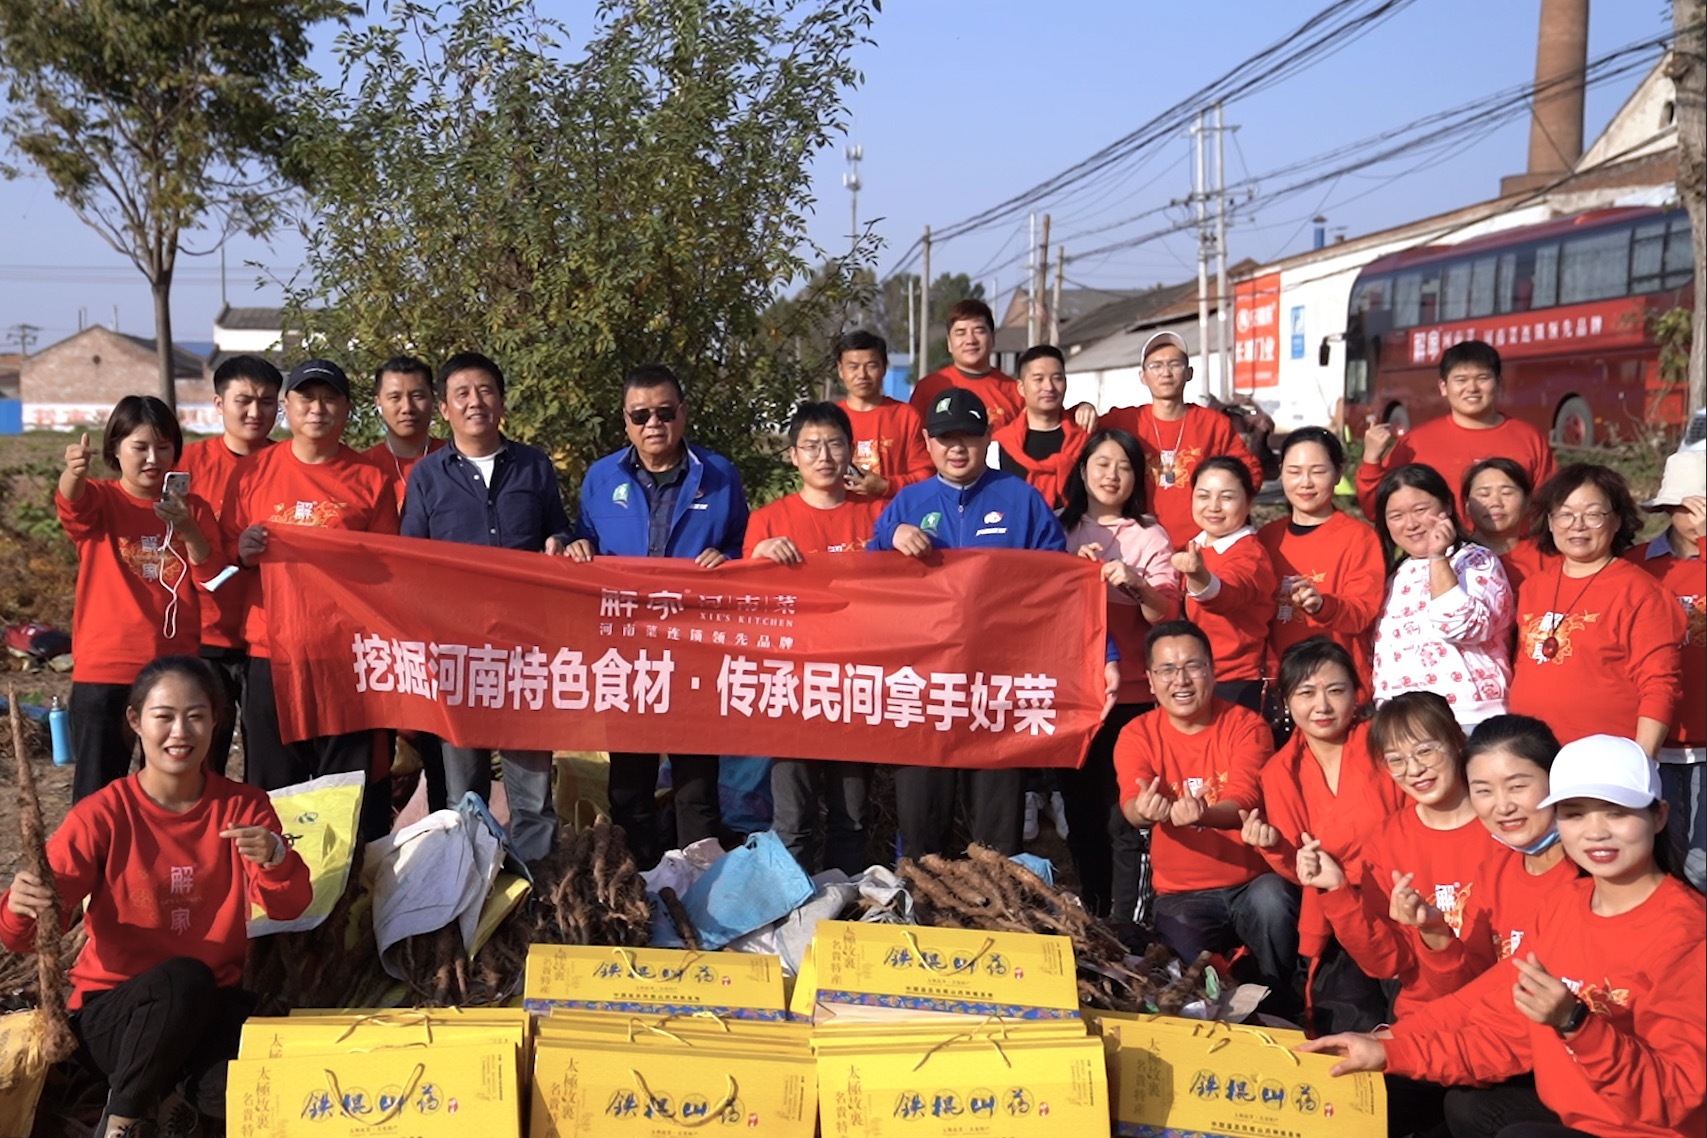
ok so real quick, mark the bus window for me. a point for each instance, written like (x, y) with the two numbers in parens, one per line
(1482, 287)
(1455, 292)
(1506, 287)
(1546, 279)
(1595, 266)
(1407, 300)
(1680, 255)
(1647, 258)
(1429, 305)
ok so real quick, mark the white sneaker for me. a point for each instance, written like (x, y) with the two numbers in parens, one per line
(1033, 803)
(1058, 810)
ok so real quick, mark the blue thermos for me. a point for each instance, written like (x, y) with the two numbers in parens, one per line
(59, 727)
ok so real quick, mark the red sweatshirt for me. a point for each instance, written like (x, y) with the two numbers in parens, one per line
(1500, 914)
(847, 527)
(1635, 1068)
(1451, 450)
(890, 439)
(1446, 864)
(999, 392)
(1222, 763)
(162, 885)
(127, 576)
(1342, 558)
(1685, 579)
(1200, 434)
(1619, 638)
(1047, 476)
(1235, 611)
(212, 467)
(1296, 799)
(1526, 560)
(395, 468)
(277, 488)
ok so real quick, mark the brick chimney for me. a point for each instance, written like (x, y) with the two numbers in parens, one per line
(1556, 125)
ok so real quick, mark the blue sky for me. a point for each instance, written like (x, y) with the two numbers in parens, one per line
(967, 102)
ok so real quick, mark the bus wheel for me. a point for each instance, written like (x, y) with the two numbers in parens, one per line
(1398, 418)
(1573, 424)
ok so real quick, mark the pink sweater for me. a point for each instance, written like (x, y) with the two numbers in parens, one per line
(1147, 552)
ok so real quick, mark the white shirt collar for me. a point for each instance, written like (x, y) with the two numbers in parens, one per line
(1223, 544)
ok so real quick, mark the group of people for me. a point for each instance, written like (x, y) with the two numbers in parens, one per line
(1445, 850)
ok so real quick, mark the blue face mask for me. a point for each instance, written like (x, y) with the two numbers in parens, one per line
(1540, 845)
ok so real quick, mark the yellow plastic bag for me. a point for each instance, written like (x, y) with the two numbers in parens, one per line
(319, 819)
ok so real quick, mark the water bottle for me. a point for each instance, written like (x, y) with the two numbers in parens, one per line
(59, 727)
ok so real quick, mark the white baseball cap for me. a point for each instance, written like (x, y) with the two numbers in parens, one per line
(1685, 477)
(1164, 340)
(1607, 767)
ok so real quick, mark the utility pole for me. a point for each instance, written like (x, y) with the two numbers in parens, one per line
(1055, 299)
(1223, 299)
(1042, 279)
(911, 314)
(1200, 196)
(925, 310)
(1031, 271)
(23, 335)
(855, 154)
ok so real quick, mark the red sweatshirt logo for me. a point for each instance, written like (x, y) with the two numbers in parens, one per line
(1538, 628)
(1601, 998)
(1695, 617)
(321, 514)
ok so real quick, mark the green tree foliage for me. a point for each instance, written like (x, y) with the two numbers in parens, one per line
(154, 118)
(474, 188)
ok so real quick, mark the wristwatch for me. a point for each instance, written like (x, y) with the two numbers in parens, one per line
(1573, 1024)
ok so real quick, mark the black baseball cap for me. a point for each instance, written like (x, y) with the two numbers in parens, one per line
(318, 371)
(957, 411)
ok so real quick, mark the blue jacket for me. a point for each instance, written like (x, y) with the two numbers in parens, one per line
(447, 501)
(710, 513)
(999, 511)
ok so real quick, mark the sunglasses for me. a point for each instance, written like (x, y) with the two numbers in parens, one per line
(640, 416)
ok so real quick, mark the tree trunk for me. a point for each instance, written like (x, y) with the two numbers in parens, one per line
(1689, 73)
(161, 286)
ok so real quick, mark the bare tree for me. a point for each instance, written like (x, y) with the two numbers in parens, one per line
(1689, 74)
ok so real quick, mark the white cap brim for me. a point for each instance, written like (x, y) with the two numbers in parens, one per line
(1624, 796)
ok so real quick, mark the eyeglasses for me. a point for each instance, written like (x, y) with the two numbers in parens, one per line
(1591, 519)
(835, 448)
(1427, 756)
(1163, 367)
(640, 416)
(1192, 669)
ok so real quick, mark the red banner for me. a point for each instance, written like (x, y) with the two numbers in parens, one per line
(1256, 332)
(1581, 328)
(983, 659)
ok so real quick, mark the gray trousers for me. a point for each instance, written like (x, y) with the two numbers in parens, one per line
(527, 788)
(797, 788)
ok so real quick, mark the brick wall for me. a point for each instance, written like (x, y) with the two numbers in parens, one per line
(78, 380)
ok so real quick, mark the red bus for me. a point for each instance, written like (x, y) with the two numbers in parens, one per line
(1569, 304)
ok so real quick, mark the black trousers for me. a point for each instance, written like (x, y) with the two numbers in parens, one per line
(231, 666)
(634, 801)
(1108, 851)
(1343, 997)
(1543, 1130)
(171, 1026)
(269, 762)
(101, 738)
(925, 801)
(1489, 1112)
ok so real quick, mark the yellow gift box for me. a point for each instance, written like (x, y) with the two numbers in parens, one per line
(431, 1092)
(1180, 1076)
(694, 1029)
(269, 1038)
(650, 1091)
(965, 1087)
(653, 981)
(915, 968)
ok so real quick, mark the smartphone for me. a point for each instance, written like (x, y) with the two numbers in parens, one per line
(177, 484)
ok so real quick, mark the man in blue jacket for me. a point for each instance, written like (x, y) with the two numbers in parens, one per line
(661, 497)
(966, 506)
(484, 489)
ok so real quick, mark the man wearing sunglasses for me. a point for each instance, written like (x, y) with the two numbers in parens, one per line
(661, 496)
